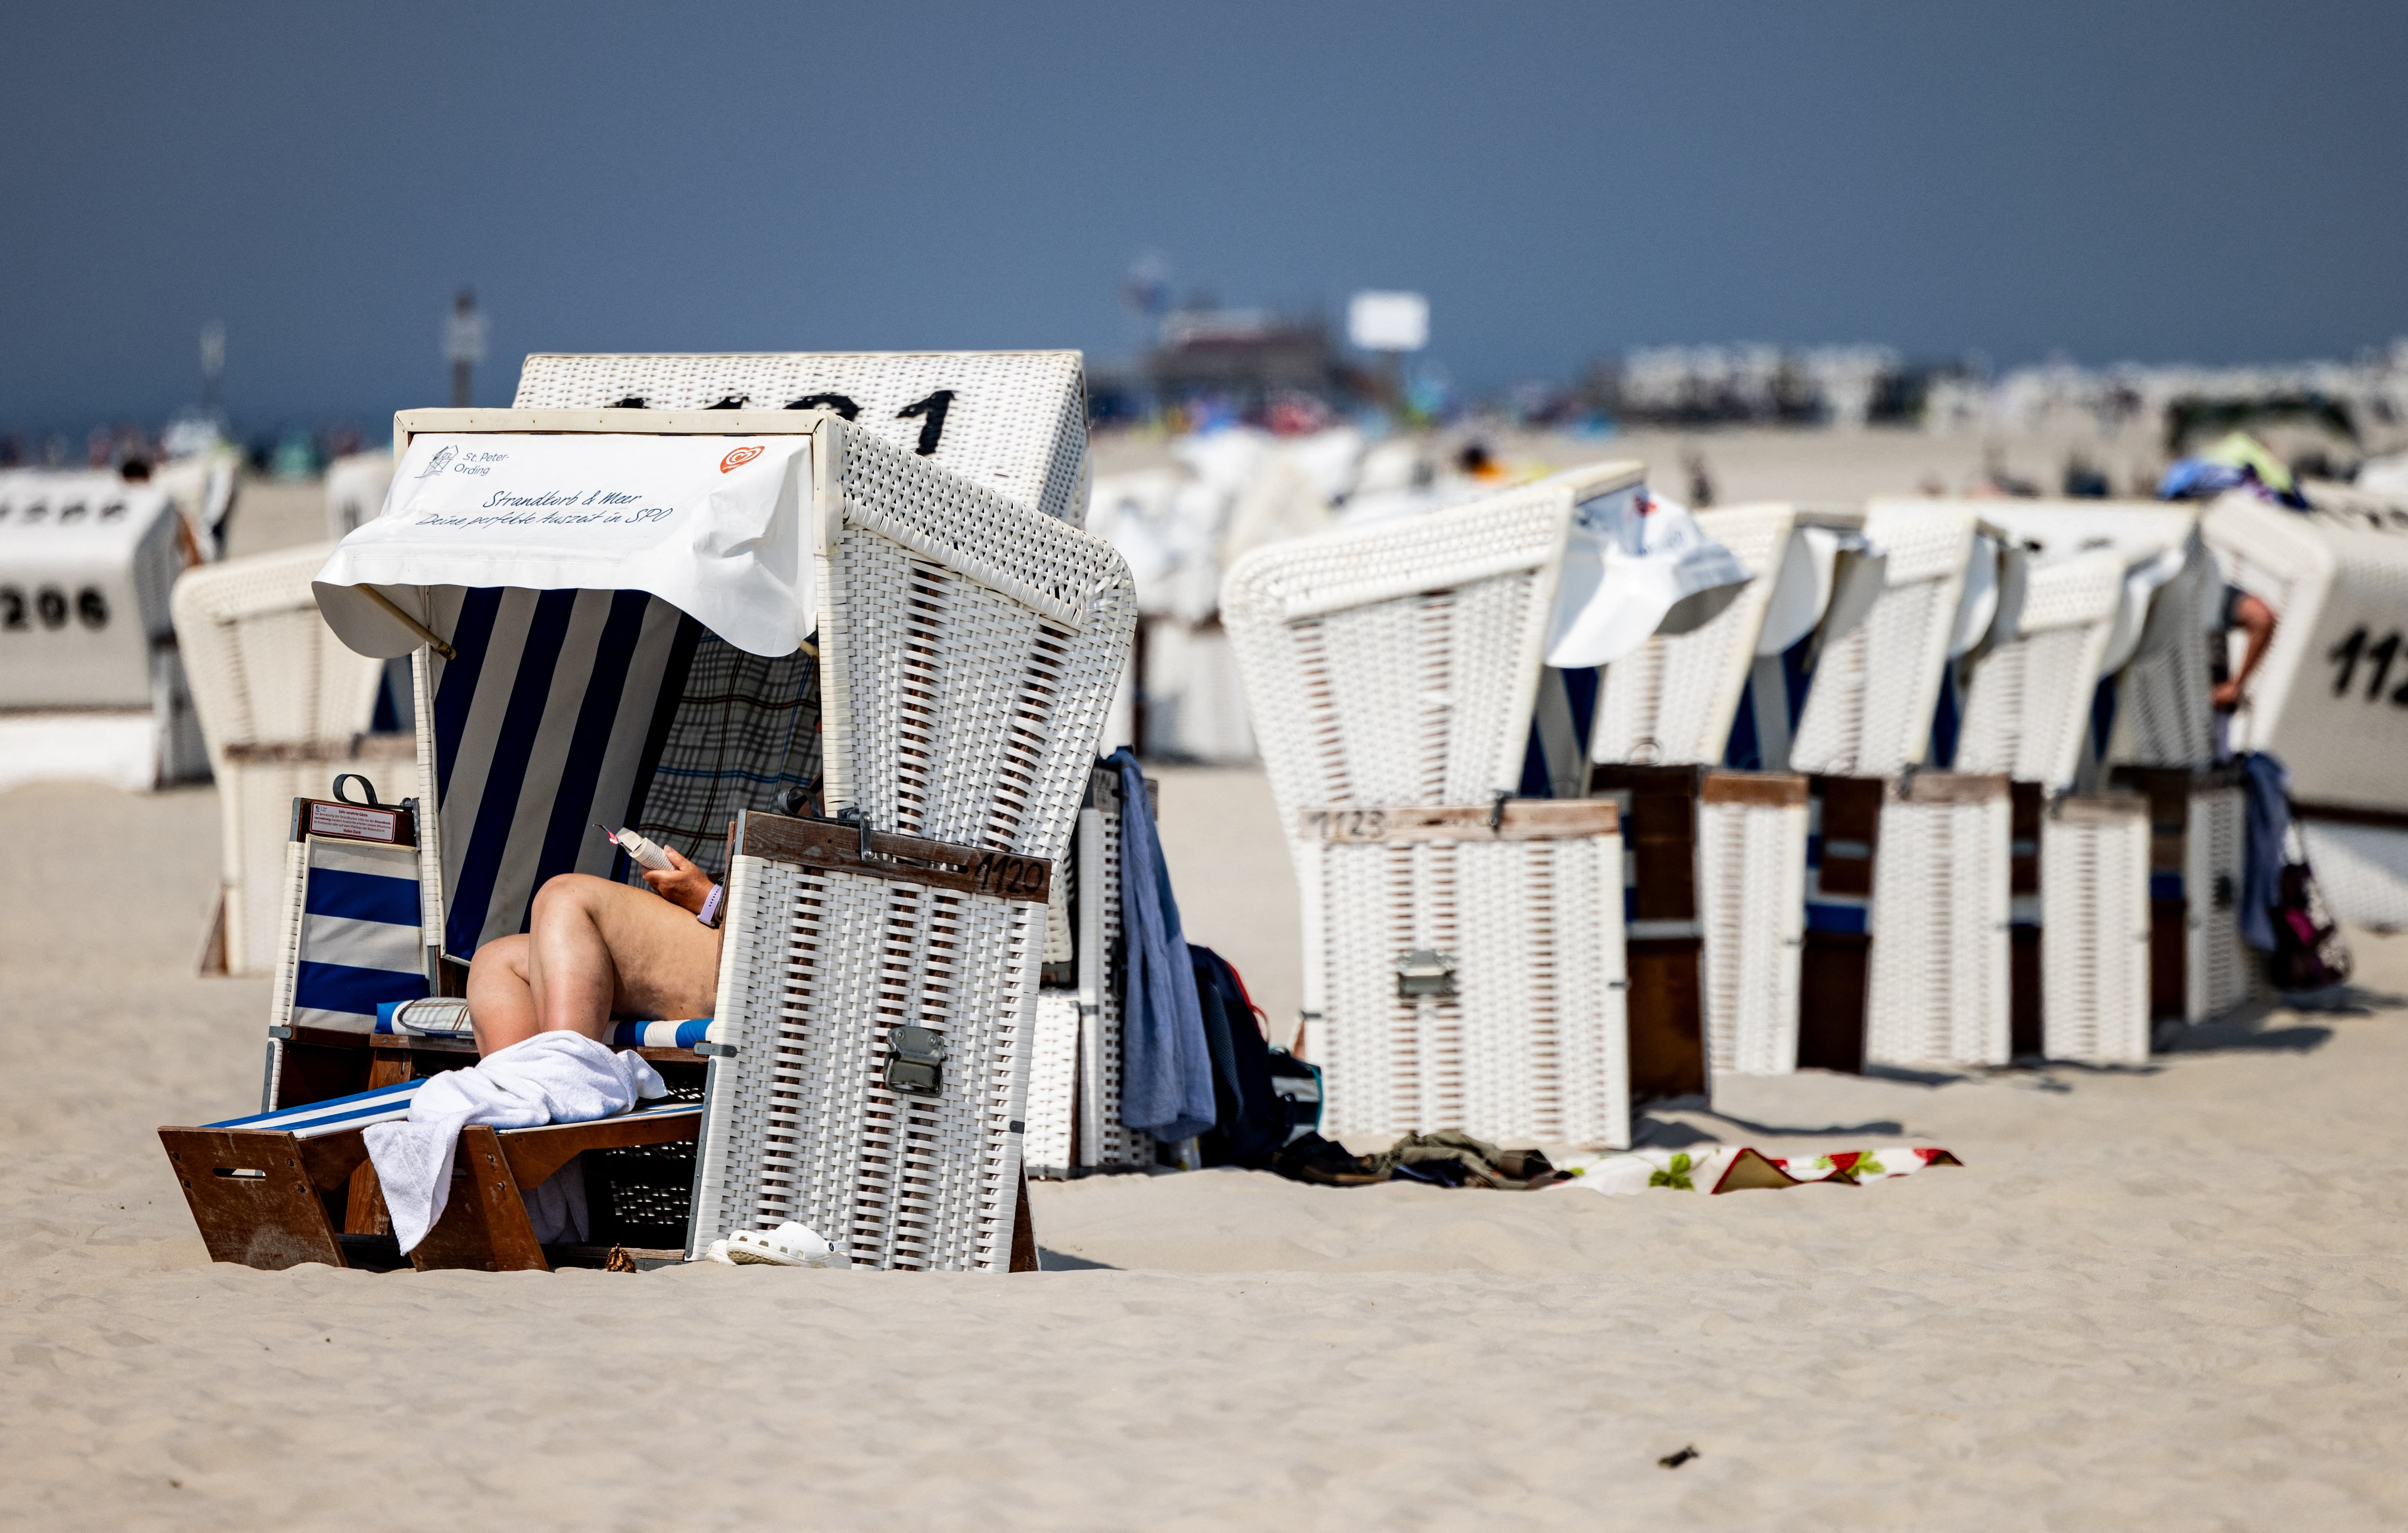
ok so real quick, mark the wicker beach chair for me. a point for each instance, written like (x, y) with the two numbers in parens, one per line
(1475, 969)
(1396, 663)
(92, 686)
(2104, 605)
(1013, 423)
(1677, 701)
(1876, 682)
(1392, 667)
(2331, 698)
(1671, 702)
(283, 706)
(966, 651)
(1074, 1073)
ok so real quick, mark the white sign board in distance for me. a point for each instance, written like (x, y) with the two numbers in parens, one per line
(86, 563)
(1388, 322)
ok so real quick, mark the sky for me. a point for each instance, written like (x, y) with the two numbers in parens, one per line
(2196, 181)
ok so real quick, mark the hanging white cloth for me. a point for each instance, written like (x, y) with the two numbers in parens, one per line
(711, 525)
(1633, 567)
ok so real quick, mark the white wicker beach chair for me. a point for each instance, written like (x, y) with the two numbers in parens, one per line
(1475, 977)
(1938, 991)
(355, 492)
(2331, 698)
(1396, 663)
(967, 653)
(1013, 423)
(1671, 701)
(1074, 1073)
(1868, 713)
(91, 685)
(282, 705)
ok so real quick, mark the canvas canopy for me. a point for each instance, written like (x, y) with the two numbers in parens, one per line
(709, 524)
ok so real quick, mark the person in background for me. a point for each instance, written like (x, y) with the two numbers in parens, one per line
(2256, 622)
(1701, 484)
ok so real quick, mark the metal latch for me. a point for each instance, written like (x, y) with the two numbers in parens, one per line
(1425, 971)
(915, 1061)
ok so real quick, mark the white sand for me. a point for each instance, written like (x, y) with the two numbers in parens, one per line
(2160, 1298)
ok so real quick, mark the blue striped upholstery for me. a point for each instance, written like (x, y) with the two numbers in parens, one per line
(383, 1105)
(547, 720)
(361, 943)
(333, 1114)
(659, 1035)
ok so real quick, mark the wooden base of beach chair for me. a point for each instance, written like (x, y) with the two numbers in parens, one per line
(1835, 967)
(272, 1200)
(1663, 939)
(263, 1199)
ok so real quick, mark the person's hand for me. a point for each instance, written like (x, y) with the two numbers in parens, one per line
(682, 883)
(2227, 694)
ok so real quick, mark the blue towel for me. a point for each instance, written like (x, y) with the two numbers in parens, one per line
(1165, 1064)
(2262, 859)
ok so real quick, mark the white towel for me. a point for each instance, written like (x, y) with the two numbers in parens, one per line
(1634, 565)
(552, 1077)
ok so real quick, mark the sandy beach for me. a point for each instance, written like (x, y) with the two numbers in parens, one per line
(2159, 1297)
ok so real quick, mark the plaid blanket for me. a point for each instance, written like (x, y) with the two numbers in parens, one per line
(745, 735)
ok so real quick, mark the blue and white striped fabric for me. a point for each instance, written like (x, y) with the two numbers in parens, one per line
(335, 1114)
(361, 942)
(383, 1105)
(548, 719)
(659, 1035)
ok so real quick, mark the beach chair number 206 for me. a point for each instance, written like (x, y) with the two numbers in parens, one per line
(49, 604)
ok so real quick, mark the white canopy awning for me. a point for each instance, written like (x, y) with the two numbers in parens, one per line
(711, 525)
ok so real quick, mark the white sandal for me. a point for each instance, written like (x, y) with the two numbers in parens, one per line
(789, 1245)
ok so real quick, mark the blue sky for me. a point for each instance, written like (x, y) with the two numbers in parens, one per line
(2197, 182)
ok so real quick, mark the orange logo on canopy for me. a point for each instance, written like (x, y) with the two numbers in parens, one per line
(738, 458)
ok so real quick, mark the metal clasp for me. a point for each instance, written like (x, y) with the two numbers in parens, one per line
(1425, 971)
(915, 1061)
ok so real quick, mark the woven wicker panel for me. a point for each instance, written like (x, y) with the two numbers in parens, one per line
(1104, 1143)
(968, 652)
(2362, 871)
(1752, 899)
(1398, 664)
(1532, 1045)
(1016, 425)
(1052, 1086)
(1938, 989)
(1868, 710)
(2218, 973)
(2332, 695)
(819, 966)
(262, 666)
(255, 826)
(2094, 935)
(264, 669)
(2029, 704)
(2163, 716)
(1671, 702)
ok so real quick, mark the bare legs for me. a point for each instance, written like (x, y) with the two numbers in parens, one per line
(592, 949)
